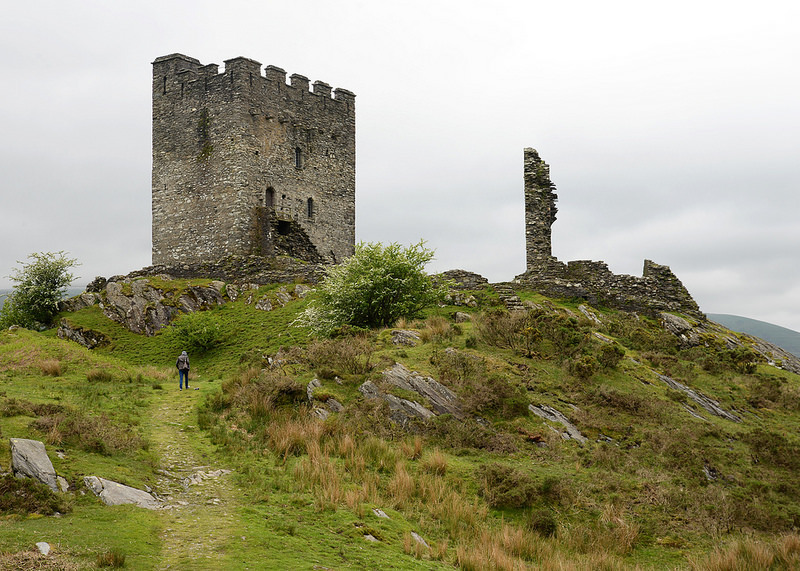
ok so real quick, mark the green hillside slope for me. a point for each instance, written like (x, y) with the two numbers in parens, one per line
(556, 438)
(780, 336)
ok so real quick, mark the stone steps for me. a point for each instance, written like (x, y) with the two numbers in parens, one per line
(509, 297)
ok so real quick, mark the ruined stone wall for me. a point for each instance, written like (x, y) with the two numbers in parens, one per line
(540, 209)
(657, 290)
(229, 146)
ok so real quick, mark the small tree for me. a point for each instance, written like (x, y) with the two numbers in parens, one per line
(41, 284)
(374, 288)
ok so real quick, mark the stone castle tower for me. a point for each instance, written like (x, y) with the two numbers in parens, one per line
(244, 163)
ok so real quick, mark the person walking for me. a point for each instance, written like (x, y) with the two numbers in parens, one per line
(183, 369)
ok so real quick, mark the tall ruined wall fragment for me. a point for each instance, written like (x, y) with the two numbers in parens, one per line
(244, 163)
(657, 290)
(540, 209)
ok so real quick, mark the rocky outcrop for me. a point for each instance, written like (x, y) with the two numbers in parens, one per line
(680, 328)
(570, 431)
(114, 493)
(691, 334)
(81, 335)
(146, 309)
(405, 337)
(29, 459)
(442, 399)
(402, 410)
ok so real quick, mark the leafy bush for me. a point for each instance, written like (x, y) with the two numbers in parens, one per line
(583, 367)
(610, 356)
(199, 331)
(41, 284)
(373, 288)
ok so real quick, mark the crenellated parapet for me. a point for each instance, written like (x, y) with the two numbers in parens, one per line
(236, 148)
(177, 76)
(657, 290)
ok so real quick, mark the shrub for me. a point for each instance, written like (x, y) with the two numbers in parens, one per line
(41, 284)
(374, 287)
(584, 367)
(543, 522)
(346, 355)
(610, 356)
(199, 331)
(506, 487)
(91, 433)
(26, 496)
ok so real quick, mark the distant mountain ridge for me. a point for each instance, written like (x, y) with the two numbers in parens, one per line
(788, 339)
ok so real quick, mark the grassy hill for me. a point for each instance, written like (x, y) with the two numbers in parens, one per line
(659, 481)
(780, 336)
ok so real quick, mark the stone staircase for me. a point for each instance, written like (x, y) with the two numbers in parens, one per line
(509, 297)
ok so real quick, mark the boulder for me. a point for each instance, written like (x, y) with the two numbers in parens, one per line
(301, 290)
(461, 317)
(114, 493)
(29, 460)
(264, 304)
(313, 385)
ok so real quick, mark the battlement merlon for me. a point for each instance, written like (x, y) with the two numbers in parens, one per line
(178, 69)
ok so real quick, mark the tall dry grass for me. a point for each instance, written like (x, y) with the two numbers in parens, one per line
(435, 462)
(612, 533)
(750, 553)
(50, 367)
(412, 449)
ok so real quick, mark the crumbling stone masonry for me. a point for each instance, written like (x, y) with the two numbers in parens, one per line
(657, 290)
(244, 164)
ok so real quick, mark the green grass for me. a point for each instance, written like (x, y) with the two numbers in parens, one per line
(643, 498)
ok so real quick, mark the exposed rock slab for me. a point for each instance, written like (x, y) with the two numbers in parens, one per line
(442, 399)
(29, 459)
(402, 410)
(707, 403)
(114, 494)
(553, 415)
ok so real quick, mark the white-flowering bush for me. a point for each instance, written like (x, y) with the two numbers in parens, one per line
(373, 288)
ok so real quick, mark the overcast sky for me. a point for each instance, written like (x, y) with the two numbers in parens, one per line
(671, 130)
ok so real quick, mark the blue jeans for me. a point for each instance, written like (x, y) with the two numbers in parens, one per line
(181, 374)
